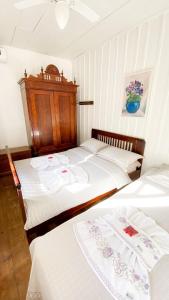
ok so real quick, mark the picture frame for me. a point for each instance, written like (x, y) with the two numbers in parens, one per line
(136, 92)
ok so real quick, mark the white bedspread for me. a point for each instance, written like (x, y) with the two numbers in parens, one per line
(59, 269)
(45, 199)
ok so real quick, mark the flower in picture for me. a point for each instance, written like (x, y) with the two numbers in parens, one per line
(134, 92)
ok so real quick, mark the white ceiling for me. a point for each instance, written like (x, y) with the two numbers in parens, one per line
(36, 29)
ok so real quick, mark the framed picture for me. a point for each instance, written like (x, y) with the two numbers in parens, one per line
(136, 89)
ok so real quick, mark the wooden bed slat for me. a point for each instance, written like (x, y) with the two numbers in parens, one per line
(125, 142)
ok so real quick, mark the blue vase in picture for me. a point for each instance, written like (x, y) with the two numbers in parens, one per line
(132, 107)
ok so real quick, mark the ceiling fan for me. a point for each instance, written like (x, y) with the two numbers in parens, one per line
(62, 9)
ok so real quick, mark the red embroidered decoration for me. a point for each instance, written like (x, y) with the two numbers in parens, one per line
(50, 157)
(130, 231)
(64, 171)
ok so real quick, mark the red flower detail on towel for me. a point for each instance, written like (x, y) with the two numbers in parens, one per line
(64, 171)
(130, 231)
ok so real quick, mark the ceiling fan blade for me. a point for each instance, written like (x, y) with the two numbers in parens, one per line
(85, 11)
(29, 3)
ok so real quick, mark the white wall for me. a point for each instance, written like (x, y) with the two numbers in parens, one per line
(100, 74)
(12, 123)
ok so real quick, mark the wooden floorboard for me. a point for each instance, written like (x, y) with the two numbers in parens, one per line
(14, 252)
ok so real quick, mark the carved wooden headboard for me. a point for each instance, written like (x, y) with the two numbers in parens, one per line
(125, 142)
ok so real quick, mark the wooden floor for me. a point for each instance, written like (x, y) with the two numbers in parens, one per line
(14, 251)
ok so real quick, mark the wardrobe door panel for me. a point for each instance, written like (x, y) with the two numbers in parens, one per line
(65, 118)
(42, 119)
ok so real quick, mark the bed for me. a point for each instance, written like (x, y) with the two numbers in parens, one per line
(61, 271)
(47, 208)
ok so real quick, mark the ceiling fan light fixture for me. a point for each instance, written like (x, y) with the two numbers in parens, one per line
(62, 13)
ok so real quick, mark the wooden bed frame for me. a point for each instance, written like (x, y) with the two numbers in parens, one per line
(121, 141)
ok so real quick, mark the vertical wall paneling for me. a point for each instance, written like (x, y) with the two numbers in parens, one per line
(108, 70)
(152, 128)
(143, 47)
(161, 93)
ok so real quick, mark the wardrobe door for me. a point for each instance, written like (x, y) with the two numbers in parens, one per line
(40, 106)
(65, 114)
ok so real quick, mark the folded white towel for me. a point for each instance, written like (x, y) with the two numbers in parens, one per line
(122, 261)
(54, 179)
(150, 243)
(52, 160)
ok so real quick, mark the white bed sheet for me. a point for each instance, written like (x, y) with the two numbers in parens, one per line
(42, 204)
(59, 269)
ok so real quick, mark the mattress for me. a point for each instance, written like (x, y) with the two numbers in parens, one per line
(103, 176)
(59, 269)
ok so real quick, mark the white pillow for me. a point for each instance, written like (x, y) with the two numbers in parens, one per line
(120, 157)
(93, 145)
(131, 168)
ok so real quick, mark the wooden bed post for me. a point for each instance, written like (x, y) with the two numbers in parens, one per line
(16, 182)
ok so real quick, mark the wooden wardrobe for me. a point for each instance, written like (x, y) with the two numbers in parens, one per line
(49, 102)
